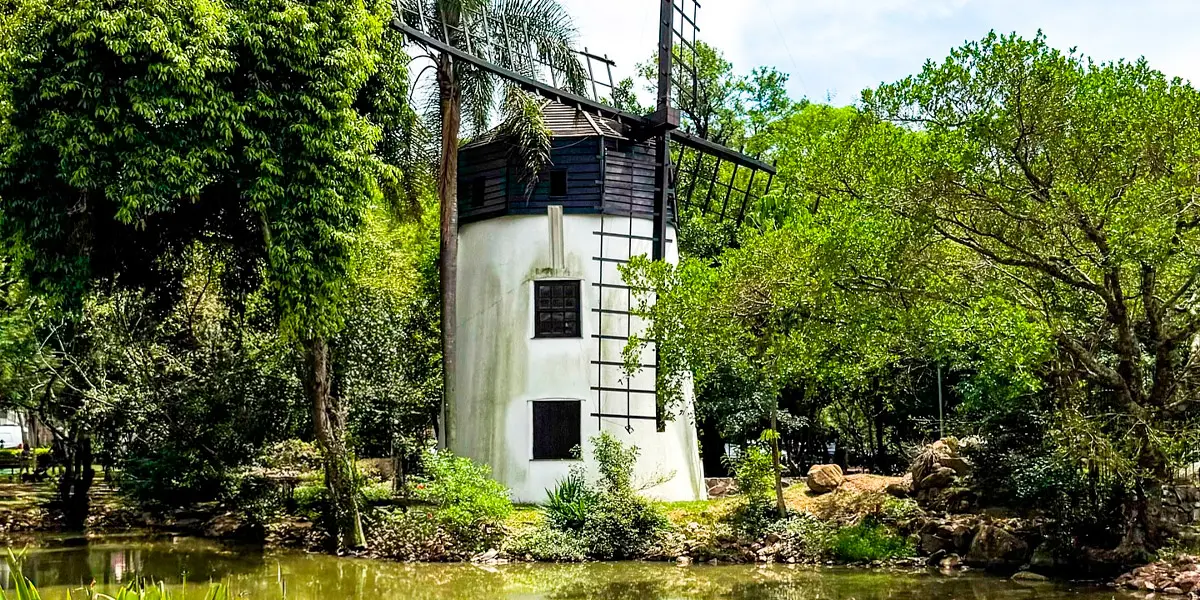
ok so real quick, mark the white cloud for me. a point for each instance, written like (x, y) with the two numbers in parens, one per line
(839, 47)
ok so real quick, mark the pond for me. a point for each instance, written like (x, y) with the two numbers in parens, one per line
(60, 564)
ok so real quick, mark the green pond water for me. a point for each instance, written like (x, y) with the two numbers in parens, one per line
(57, 565)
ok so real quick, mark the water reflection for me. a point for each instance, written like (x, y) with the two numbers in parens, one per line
(255, 576)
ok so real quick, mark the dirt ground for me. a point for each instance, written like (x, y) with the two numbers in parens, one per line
(857, 486)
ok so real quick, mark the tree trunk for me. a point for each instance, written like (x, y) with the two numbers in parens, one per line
(780, 504)
(329, 426)
(75, 483)
(1143, 511)
(450, 98)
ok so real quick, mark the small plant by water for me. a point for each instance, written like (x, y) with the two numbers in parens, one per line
(868, 541)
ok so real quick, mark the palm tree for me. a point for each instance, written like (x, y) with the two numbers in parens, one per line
(529, 37)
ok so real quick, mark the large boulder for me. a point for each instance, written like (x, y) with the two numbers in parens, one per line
(824, 478)
(939, 465)
(996, 548)
(942, 477)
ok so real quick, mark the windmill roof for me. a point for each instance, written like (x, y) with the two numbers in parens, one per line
(566, 122)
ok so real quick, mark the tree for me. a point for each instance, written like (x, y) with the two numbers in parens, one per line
(133, 130)
(1071, 186)
(463, 87)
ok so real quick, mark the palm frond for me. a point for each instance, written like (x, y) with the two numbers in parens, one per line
(548, 28)
(525, 132)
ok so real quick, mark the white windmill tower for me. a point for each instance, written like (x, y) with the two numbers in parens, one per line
(543, 314)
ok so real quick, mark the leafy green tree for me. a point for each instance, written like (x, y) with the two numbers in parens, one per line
(133, 129)
(462, 89)
(1069, 187)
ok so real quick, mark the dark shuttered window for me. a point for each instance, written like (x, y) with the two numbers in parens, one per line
(558, 183)
(556, 309)
(555, 429)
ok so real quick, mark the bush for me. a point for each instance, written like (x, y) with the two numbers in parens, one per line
(256, 498)
(547, 543)
(466, 497)
(293, 454)
(754, 473)
(804, 536)
(868, 541)
(608, 518)
(568, 504)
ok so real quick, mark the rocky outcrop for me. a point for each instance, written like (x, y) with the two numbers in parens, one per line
(992, 543)
(824, 478)
(940, 477)
(996, 548)
(1180, 511)
(718, 487)
(1177, 577)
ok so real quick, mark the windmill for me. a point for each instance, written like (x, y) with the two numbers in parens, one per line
(543, 314)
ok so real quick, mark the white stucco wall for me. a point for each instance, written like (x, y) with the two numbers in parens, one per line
(502, 369)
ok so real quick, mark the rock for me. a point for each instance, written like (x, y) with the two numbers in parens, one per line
(772, 539)
(942, 477)
(223, 526)
(949, 563)
(720, 486)
(486, 557)
(899, 490)
(683, 561)
(961, 467)
(995, 548)
(1173, 591)
(1028, 576)
(825, 478)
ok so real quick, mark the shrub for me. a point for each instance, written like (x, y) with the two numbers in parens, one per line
(754, 473)
(293, 454)
(255, 497)
(547, 543)
(608, 518)
(568, 504)
(868, 541)
(621, 524)
(804, 536)
(309, 499)
(466, 497)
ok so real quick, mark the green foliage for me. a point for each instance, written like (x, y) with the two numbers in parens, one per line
(569, 503)
(868, 542)
(754, 473)
(549, 543)
(292, 455)
(466, 497)
(805, 536)
(623, 526)
(606, 517)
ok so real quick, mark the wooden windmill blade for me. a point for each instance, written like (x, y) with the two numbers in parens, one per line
(708, 177)
(701, 168)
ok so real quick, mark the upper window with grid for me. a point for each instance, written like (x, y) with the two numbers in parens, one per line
(556, 309)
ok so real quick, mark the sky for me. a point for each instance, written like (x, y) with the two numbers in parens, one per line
(833, 49)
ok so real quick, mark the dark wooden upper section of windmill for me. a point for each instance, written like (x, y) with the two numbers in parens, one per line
(595, 169)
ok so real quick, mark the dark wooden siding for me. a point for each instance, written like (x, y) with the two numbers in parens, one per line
(620, 172)
(580, 157)
(489, 162)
